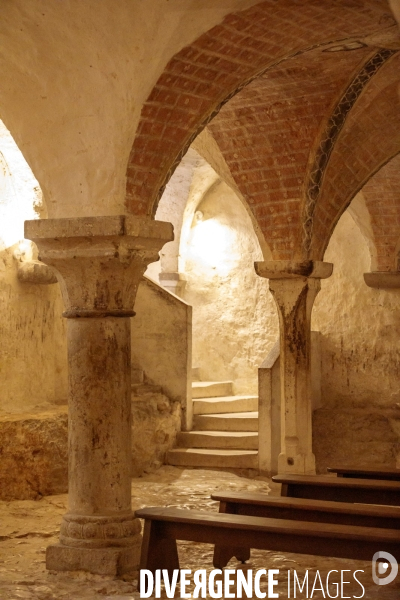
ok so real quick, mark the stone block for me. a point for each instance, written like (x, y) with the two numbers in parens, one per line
(100, 561)
(33, 454)
(155, 423)
(356, 437)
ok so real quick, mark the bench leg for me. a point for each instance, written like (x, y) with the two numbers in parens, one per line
(223, 554)
(158, 552)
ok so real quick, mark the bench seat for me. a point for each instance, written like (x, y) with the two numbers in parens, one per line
(299, 509)
(366, 473)
(339, 489)
(235, 534)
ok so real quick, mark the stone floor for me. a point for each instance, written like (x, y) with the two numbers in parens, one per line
(27, 527)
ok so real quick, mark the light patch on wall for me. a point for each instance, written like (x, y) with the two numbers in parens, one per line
(213, 244)
(20, 194)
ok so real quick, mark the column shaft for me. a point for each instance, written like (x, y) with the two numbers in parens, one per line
(99, 262)
(294, 287)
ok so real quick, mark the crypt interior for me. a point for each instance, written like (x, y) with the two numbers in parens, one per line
(199, 266)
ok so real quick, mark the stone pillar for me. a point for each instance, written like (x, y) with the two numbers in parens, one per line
(99, 262)
(294, 286)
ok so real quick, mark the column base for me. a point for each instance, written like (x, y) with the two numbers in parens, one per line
(100, 561)
(299, 464)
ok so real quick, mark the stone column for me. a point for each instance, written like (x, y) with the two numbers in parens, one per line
(99, 262)
(294, 286)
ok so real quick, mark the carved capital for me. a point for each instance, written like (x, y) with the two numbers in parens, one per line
(383, 280)
(99, 261)
(289, 269)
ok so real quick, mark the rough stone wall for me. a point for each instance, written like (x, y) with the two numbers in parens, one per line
(359, 421)
(161, 339)
(156, 421)
(33, 360)
(33, 363)
(34, 450)
(234, 316)
(360, 328)
(33, 455)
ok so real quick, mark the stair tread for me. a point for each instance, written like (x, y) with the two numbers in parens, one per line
(224, 398)
(214, 451)
(237, 415)
(222, 433)
(200, 384)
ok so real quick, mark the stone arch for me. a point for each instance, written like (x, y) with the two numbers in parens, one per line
(202, 77)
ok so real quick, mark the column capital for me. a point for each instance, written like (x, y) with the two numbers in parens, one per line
(99, 261)
(384, 280)
(289, 269)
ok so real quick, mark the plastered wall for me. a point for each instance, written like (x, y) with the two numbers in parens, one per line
(33, 364)
(83, 70)
(234, 317)
(360, 327)
(33, 361)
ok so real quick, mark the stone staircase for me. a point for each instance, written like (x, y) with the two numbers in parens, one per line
(225, 429)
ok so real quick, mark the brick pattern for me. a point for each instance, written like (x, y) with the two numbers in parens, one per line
(267, 130)
(331, 132)
(202, 77)
(382, 197)
(369, 140)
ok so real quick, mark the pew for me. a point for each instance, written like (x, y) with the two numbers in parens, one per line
(299, 509)
(366, 473)
(234, 535)
(340, 489)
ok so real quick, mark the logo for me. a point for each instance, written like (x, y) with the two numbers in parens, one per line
(381, 568)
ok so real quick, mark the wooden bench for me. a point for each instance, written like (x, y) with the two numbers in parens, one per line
(339, 489)
(235, 534)
(299, 509)
(366, 473)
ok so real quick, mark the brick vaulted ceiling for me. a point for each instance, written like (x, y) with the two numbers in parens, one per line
(276, 84)
(382, 197)
(266, 133)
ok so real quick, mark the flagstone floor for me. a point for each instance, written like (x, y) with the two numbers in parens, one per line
(27, 527)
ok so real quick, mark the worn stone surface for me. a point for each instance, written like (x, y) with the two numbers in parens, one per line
(33, 446)
(27, 526)
(234, 316)
(79, 161)
(294, 296)
(99, 262)
(356, 437)
(161, 334)
(156, 421)
(360, 327)
(33, 454)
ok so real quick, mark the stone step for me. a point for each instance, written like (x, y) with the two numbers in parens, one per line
(198, 457)
(242, 421)
(223, 440)
(225, 404)
(211, 389)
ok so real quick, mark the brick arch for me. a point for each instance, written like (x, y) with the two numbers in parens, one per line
(202, 77)
(266, 133)
(368, 141)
